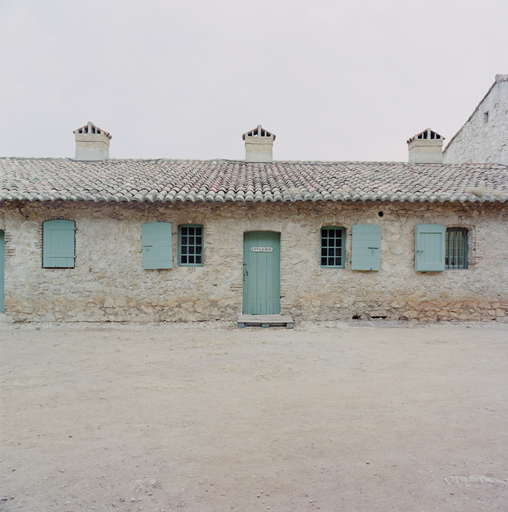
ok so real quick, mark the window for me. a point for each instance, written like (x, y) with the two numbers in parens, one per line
(190, 245)
(333, 247)
(486, 117)
(156, 245)
(439, 248)
(456, 248)
(58, 243)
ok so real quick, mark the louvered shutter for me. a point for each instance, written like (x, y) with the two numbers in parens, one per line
(430, 248)
(58, 243)
(157, 245)
(366, 247)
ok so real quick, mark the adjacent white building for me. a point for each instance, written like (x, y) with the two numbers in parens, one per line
(484, 136)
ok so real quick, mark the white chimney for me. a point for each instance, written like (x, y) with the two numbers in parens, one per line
(258, 145)
(426, 148)
(92, 143)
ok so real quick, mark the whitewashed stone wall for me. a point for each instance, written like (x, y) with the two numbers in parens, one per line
(108, 282)
(481, 141)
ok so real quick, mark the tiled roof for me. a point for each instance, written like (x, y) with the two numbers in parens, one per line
(41, 179)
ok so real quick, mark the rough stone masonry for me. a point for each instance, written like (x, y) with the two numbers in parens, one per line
(109, 283)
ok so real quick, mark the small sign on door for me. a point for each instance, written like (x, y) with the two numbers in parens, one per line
(261, 249)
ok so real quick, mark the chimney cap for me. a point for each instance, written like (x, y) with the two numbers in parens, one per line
(92, 129)
(428, 134)
(258, 132)
(426, 148)
(92, 143)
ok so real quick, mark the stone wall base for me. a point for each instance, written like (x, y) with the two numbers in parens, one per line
(422, 310)
(109, 310)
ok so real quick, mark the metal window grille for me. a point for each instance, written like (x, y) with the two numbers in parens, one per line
(332, 247)
(191, 246)
(456, 248)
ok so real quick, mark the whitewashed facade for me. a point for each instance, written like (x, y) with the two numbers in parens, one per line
(109, 283)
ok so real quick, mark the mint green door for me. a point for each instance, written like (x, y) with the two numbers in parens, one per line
(2, 292)
(261, 273)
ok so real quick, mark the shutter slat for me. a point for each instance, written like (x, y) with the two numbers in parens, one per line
(157, 245)
(430, 248)
(366, 247)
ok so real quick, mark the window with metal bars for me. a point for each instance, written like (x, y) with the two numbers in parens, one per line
(190, 245)
(456, 248)
(333, 247)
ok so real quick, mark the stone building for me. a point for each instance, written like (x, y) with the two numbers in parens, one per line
(99, 239)
(484, 136)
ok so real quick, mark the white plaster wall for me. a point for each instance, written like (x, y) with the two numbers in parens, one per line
(478, 141)
(108, 282)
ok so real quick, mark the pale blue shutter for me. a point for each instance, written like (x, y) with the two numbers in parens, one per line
(58, 243)
(430, 248)
(157, 245)
(2, 290)
(366, 247)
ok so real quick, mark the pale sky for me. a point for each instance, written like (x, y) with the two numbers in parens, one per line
(333, 79)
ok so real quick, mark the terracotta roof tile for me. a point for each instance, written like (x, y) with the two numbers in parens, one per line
(39, 179)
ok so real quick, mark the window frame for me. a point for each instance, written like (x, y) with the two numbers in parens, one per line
(188, 245)
(342, 247)
(460, 249)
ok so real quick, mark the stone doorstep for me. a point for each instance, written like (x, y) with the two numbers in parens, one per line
(266, 321)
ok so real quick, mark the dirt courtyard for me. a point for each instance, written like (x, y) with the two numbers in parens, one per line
(209, 417)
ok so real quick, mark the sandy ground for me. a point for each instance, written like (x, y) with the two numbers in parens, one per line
(208, 417)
